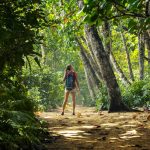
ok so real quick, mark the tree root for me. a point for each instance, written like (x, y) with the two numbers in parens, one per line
(121, 108)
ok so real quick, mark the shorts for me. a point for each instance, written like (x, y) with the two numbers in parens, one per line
(71, 91)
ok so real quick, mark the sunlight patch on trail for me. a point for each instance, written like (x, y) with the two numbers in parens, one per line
(70, 133)
(129, 135)
(129, 125)
(47, 117)
(109, 124)
(87, 127)
(73, 132)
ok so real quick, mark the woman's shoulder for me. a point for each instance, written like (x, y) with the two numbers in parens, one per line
(75, 73)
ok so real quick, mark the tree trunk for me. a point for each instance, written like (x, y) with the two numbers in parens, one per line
(141, 48)
(107, 36)
(147, 41)
(147, 35)
(94, 66)
(90, 80)
(88, 65)
(124, 79)
(147, 10)
(108, 48)
(92, 60)
(89, 83)
(116, 103)
(43, 54)
(128, 57)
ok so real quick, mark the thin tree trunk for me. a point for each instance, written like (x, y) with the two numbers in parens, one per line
(124, 79)
(92, 60)
(107, 36)
(147, 35)
(116, 103)
(108, 48)
(89, 83)
(94, 66)
(147, 12)
(147, 41)
(128, 57)
(147, 9)
(43, 54)
(88, 65)
(141, 48)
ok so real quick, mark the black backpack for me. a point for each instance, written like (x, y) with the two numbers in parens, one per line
(70, 81)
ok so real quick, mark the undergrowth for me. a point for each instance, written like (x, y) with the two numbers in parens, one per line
(19, 127)
(135, 95)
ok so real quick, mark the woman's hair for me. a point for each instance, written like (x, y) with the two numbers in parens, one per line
(68, 67)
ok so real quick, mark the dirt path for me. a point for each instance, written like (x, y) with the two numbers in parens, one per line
(89, 130)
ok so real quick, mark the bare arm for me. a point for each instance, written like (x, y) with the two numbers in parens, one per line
(64, 78)
(77, 82)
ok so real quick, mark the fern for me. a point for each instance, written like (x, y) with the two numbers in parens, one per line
(18, 129)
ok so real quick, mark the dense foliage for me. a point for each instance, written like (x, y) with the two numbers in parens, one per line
(20, 22)
(138, 94)
(135, 12)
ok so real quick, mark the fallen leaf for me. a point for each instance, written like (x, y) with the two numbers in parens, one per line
(102, 138)
(148, 118)
(103, 133)
(38, 113)
(79, 121)
(100, 113)
(63, 124)
(137, 145)
(97, 126)
(79, 115)
(140, 126)
(134, 116)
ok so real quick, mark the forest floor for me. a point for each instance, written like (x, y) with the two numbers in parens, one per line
(92, 130)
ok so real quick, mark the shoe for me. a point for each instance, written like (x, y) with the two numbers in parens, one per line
(62, 113)
(73, 113)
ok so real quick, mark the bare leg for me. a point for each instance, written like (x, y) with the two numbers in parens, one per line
(65, 102)
(73, 101)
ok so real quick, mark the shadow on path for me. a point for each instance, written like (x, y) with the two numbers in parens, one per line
(89, 130)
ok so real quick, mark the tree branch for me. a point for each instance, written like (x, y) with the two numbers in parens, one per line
(126, 11)
(121, 15)
(147, 13)
(146, 58)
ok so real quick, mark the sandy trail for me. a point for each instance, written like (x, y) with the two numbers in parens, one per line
(90, 130)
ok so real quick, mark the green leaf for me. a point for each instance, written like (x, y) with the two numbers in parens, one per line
(132, 25)
(80, 13)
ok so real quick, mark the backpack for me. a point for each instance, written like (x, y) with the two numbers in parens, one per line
(70, 81)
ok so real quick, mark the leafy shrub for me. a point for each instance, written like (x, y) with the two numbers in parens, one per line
(45, 88)
(15, 98)
(137, 94)
(102, 98)
(19, 130)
